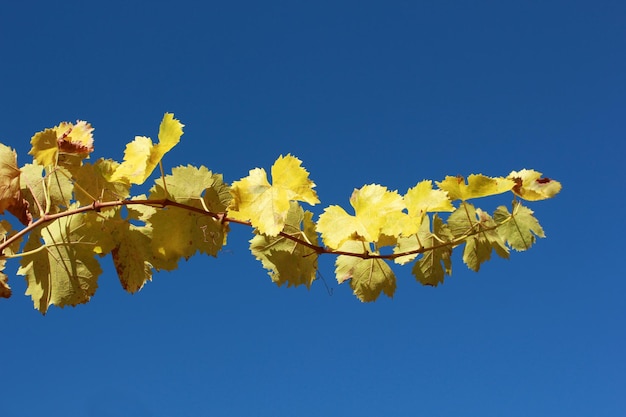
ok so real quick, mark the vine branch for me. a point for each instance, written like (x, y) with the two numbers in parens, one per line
(222, 217)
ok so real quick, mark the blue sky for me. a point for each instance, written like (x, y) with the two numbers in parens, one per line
(387, 92)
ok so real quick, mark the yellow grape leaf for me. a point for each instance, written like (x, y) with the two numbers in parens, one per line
(65, 139)
(481, 235)
(53, 192)
(477, 186)
(130, 257)
(519, 229)
(529, 185)
(195, 186)
(44, 147)
(377, 211)
(180, 233)
(289, 262)
(368, 277)
(265, 205)
(93, 183)
(75, 142)
(6, 232)
(434, 264)
(422, 199)
(63, 270)
(9, 178)
(142, 156)
(5, 290)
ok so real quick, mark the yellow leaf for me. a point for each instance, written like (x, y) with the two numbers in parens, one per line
(422, 199)
(45, 148)
(266, 205)
(368, 277)
(5, 290)
(75, 140)
(477, 186)
(142, 156)
(530, 186)
(64, 271)
(9, 178)
(378, 212)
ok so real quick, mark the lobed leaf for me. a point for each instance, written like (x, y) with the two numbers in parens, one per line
(51, 190)
(368, 277)
(423, 199)
(62, 270)
(94, 183)
(266, 205)
(519, 229)
(378, 213)
(289, 262)
(436, 262)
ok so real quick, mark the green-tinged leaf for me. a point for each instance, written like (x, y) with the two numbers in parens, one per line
(378, 213)
(6, 232)
(368, 277)
(434, 264)
(93, 183)
(477, 186)
(480, 232)
(53, 192)
(140, 212)
(142, 156)
(129, 245)
(489, 232)
(193, 186)
(5, 290)
(9, 178)
(130, 257)
(477, 250)
(289, 262)
(180, 233)
(404, 245)
(462, 221)
(266, 206)
(520, 229)
(63, 270)
(529, 185)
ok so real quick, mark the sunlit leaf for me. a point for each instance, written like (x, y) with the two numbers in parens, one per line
(476, 186)
(529, 185)
(142, 156)
(378, 212)
(422, 199)
(266, 205)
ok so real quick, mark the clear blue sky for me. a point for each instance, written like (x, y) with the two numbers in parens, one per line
(362, 91)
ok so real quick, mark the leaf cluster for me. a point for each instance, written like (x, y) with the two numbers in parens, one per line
(73, 212)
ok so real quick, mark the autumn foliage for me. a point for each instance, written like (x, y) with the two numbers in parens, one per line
(73, 212)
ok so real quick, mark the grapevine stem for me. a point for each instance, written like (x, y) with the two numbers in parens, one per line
(97, 206)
